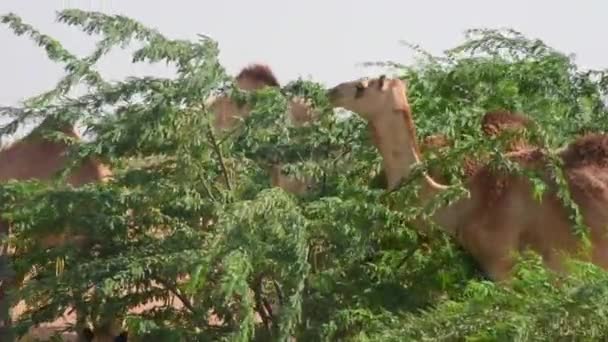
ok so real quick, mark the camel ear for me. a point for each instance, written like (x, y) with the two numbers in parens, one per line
(381, 82)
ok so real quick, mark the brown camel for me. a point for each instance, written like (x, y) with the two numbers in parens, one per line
(501, 215)
(228, 113)
(35, 157)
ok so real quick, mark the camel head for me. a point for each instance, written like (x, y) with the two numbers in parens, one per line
(301, 111)
(435, 142)
(383, 103)
(251, 78)
(370, 97)
(494, 122)
(228, 114)
(258, 76)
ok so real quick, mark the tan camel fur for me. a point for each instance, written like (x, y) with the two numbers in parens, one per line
(501, 216)
(493, 124)
(35, 157)
(228, 113)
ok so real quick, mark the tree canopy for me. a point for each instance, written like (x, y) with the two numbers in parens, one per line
(191, 215)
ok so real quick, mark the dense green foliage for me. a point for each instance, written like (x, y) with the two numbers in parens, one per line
(341, 262)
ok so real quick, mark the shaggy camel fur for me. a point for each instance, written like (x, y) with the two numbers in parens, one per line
(228, 113)
(501, 215)
(493, 124)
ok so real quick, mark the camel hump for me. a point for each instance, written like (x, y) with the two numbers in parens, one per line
(495, 121)
(436, 141)
(590, 149)
(54, 124)
(255, 76)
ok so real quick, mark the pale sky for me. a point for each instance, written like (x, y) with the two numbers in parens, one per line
(321, 39)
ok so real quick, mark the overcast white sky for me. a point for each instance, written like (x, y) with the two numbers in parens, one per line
(323, 39)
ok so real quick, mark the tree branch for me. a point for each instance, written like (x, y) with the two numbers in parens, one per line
(216, 149)
(259, 303)
(178, 294)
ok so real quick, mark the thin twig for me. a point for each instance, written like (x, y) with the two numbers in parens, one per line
(259, 303)
(208, 191)
(217, 150)
(229, 134)
(178, 294)
(409, 254)
(277, 288)
(268, 308)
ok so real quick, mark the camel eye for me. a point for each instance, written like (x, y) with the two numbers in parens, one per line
(360, 89)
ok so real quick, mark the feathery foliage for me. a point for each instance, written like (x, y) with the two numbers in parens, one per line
(190, 215)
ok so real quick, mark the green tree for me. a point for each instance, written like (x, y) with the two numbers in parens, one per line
(191, 214)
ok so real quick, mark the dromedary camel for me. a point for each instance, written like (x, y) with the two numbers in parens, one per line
(228, 113)
(501, 215)
(35, 157)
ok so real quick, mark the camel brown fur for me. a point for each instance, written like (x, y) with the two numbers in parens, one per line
(493, 124)
(256, 76)
(36, 157)
(228, 113)
(497, 122)
(501, 215)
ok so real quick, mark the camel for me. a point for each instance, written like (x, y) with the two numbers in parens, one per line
(501, 216)
(228, 113)
(35, 157)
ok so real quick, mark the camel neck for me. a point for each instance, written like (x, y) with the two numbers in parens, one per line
(394, 135)
(395, 138)
(398, 154)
